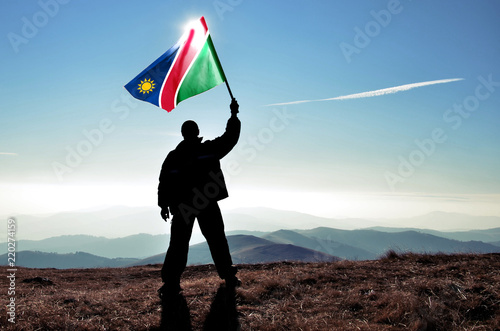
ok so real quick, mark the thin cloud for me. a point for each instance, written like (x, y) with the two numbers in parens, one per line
(369, 94)
(13, 154)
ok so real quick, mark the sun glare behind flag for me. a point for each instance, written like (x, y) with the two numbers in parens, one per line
(188, 68)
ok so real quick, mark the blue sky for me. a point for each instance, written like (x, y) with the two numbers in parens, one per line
(402, 154)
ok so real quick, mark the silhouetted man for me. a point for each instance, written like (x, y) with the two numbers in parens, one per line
(191, 183)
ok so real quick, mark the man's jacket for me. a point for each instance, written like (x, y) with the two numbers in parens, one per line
(191, 175)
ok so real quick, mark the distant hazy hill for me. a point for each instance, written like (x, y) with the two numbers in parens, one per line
(259, 222)
(113, 222)
(331, 247)
(487, 236)
(258, 235)
(249, 249)
(119, 222)
(452, 221)
(267, 219)
(281, 252)
(319, 244)
(135, 246)
(378, 242)
(32, 259)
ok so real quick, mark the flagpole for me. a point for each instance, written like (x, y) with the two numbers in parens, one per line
(227, 84)
(228, 88)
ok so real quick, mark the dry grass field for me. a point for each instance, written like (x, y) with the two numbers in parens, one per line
(397, 292)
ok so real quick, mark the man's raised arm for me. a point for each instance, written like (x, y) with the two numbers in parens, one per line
(225, 143)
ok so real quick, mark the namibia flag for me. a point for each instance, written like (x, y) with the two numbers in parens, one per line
(188, 68)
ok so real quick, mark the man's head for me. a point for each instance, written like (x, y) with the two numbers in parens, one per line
(190, 130)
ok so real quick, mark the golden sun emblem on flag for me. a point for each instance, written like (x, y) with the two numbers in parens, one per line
(146, 86)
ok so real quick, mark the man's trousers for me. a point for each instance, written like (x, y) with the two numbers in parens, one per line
(212, 228)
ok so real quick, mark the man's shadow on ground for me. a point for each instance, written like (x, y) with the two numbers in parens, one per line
(222, 316)
(175, 314)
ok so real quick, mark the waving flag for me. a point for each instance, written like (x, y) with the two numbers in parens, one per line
(188, 68)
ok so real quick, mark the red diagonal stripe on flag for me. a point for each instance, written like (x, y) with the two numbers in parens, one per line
(187, 54)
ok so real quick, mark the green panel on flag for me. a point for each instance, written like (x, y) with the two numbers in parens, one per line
(205, 73)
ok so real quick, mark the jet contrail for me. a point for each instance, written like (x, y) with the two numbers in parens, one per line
(375, 93)
(14, 154)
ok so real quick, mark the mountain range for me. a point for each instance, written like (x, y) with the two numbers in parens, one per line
(136, 246)
(77, 260)
(310, 245)
(119, 222)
